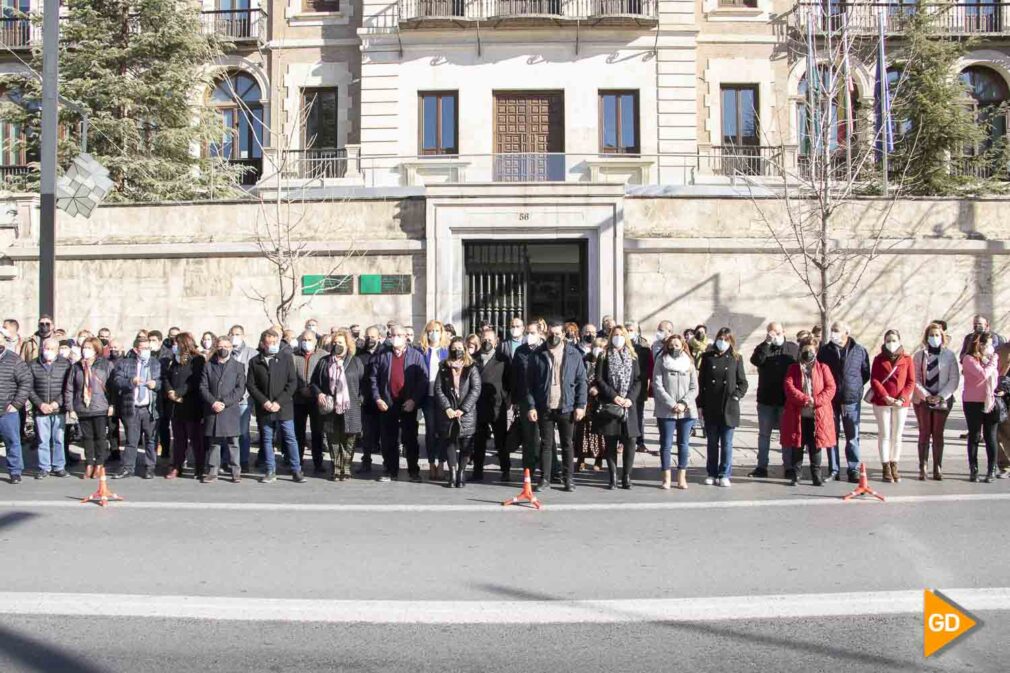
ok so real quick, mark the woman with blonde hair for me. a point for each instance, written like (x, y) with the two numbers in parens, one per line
(937, 378)
(981, 412)
(456, 393)
(434, 347)
(675, 392)
(336, 384)
(618, 380)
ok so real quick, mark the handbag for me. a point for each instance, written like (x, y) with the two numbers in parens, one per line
(609, 411)
(868, 397)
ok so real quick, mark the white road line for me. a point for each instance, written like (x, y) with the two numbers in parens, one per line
(492, 507)
(494, 612)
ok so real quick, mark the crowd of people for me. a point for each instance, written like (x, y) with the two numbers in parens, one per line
(534, 388)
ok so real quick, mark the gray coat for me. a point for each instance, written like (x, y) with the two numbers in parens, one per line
(354, 372)
(222, 382)
(671, 387)
(446, 398)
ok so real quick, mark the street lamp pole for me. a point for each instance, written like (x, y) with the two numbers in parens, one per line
(47, 184)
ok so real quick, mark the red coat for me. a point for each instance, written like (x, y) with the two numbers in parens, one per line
(791, 430)
(901, 384)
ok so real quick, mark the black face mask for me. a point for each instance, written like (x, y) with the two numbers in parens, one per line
(369, 343)
(486, 345)
(105, 342)
(356, 333)
(338, 349)
(807, 357)
(223, 353)
(167, 343)
(588, 338)
(456, 354)
(554, 340)
(45, 330)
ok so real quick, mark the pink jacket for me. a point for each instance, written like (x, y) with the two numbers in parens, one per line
(979, 378)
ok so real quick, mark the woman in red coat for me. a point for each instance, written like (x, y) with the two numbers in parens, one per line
(892, 379)
(807, 420)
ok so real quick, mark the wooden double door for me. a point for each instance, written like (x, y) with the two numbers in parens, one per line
(529, 136)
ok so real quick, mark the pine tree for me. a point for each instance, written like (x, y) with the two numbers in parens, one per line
(137, 67)
(936, 126)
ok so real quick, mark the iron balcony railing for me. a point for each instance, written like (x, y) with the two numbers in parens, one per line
(743, 160)
(414, 11)
(19, 33)
(237, 25)
(316, 164)
(8, 172)
(954, 18)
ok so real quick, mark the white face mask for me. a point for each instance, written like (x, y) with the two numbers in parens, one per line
(721, 345)
(398, 342)
(312, 328)
(49, 355)
(237, 341)
(532, 339)
(660, 336)
(516, 332)
(434, 337)
(778, 339)
(989, 350)
(892, 346)
(935, 341)
(308, 346)
(65, 352)
(207, 343)
(836, 338)
(144, 354)
(618, 341)
(597, 351)
(88, 353)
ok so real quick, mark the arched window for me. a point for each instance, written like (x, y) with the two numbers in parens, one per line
(838, 136)
(988, 92)
(238, 99)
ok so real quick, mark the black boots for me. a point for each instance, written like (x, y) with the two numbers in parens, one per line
(793, 477)
(450, 480)
(612, 474)
(815, 475)
(626, 479)
(460, 476)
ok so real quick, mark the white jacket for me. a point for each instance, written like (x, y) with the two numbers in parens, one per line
(950, 374)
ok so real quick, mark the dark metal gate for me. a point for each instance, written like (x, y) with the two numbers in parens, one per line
(497, 277)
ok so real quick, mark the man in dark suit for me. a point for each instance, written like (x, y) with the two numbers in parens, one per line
(136, 379)
(492, 406)
(271, 382)
(399, 384)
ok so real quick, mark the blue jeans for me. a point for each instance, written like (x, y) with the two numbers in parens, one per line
(720, 450)
(287, 431)
(667, 427)
(10, 431)
(769, 418)
(49, 433)
(434, 447)
(847, 419)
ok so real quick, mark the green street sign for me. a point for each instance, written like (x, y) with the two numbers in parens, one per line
(317, 284)
(384, 284)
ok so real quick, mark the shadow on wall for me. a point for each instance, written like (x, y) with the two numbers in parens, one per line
(721, 315)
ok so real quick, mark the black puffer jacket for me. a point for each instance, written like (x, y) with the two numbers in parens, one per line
(446, 398)
(48, 382)
(15, 380)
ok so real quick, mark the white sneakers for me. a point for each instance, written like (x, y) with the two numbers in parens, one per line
(724, 482)
(709, 481)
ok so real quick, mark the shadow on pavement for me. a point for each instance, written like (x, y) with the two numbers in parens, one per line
(723, 629)
(15, 518)
(38, 655)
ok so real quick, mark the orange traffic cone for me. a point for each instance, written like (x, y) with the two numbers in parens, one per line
(864, 487)
(103, 495)
(527, 493)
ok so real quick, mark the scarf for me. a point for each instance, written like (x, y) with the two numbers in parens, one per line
(86, 395)
(338, 386)
(620, 370)
(680, 365)
(932, 378)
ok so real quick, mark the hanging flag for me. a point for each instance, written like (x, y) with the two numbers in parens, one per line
(884, 124)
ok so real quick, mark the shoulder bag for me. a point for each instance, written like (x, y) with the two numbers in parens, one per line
(868, 397)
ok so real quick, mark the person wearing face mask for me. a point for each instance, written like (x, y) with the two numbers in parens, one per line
(850, 366)
(48, 375)
(773, 357)
(722, 383)
(85, 397)
(398, 384)
(208, 344)
(585, 343)
(981, 411)
(515, 337)
(556, 395)
(892, 381)
(337, 384)
(472, 345)
(492, 407)
(222, 388)
(699, 344)
(527, 429)
(457, 392)
(618, 381)
(242, 353)
(572, 333)
(937, 378)
(643, 353)
(31, 348)
(369, 440)
(306, 358)
(113, 353)
(664, 330)
(588, 443)
(434, 348)
(137, 380)
(272, 381)
(606, 324)
(979, 325)
(312, 325)
(675, 391)
(184, 405)
(808, 418)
